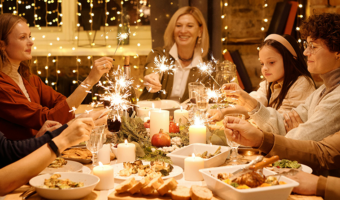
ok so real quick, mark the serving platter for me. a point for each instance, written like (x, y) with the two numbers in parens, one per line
(119, 166)
(71, 166)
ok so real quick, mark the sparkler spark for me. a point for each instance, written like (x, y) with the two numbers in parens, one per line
(207, 68)
(73, 110)
(214, 94)
(161, 65)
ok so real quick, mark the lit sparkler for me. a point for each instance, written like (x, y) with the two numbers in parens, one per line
(214, 94)
(121, 36)
(161, 65)
(207, 68)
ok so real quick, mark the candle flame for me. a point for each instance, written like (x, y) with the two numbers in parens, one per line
(160, 110)
(149, 113)
(193, 155)
(181, 109)
(126, 142)
(153, 105)
(100, 163)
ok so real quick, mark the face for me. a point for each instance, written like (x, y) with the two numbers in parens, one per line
(320, 59)
(19, 43)
(186, 30)
(272, 64)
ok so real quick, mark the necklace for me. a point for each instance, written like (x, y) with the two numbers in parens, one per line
(185, 60)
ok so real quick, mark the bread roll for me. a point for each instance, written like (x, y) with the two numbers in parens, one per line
(181, 193)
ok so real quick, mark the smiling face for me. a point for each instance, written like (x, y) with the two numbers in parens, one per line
(320, 59)
(272, 64)
(187, 30)
(19, 43)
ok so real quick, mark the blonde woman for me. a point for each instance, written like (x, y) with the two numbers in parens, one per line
(186, 41)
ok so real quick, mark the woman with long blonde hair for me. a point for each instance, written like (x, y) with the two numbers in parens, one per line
(186, 42)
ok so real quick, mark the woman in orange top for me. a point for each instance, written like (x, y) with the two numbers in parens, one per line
(25, 101)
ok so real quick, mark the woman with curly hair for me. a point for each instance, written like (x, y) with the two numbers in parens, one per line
(318, 117)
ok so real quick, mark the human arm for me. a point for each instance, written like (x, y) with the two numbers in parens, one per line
(324, 154)
(218, 114)
(151, 77)
(310, 184)
(13, 150)
(48, 126)
(23, 170)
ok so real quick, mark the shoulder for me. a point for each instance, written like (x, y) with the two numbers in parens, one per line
(35, 80)
(303, 82)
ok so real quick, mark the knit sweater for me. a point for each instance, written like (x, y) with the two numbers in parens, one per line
(296, 95)
(320, 113)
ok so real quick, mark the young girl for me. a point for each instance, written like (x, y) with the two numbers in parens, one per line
(288, 82)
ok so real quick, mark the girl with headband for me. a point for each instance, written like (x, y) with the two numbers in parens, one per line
(288, 82)
(319, 116)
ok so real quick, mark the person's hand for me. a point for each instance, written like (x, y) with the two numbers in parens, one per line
(78, 131)
(214, 115)
(308, 183)
(99, 116)
(48, 126)
(242, 132)
(152, 83)
(100, 66)
(292, 120)
(235, 94)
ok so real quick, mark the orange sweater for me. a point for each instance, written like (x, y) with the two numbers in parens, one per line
(19, 118)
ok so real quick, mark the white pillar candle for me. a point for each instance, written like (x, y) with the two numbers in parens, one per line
(181, 114)
(143, 112)
(159, 119)
(104, 154)
(106, 176)
(191, 167)
(197, 134)
(126, 152)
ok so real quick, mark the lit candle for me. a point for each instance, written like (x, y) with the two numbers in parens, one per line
(181, 114)
(104, 154)
(191, 167)
(159, 119)
(197, 133)
(126, 152)
(106, 176)
(143, 112)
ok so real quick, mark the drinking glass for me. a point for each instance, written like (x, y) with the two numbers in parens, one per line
(235, 158)
(202, 103)
(194, 88)
(95, 143)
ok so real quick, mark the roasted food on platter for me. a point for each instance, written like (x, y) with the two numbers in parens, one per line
(152, 170)
(250, 180)
(78, 153)
(57, 163)
(158, 187)
(54, 182)
(206, 155)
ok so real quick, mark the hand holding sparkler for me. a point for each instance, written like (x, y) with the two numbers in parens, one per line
(100, 66)
(152, 82)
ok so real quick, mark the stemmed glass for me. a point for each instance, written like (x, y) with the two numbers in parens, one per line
(194, 89)
(95, 143)
(234, 157)
(202, 103)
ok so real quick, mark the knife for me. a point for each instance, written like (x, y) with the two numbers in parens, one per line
(256, 160)
(253, 167)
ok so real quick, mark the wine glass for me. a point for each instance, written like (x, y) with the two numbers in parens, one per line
(194, 88)
(235, 157)
(95, 143)
(202, 103)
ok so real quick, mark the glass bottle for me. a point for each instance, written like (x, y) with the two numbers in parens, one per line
(124, 28)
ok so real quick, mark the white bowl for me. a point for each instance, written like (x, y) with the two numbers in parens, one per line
(178, 156)
(89, 180)
(226, 191)
(169, 105)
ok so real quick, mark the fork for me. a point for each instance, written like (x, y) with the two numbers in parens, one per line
(28, 193)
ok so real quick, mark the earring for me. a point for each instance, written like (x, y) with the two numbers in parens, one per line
(199, 40)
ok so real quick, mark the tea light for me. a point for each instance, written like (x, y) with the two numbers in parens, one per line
(106, 176)
(181, 114)
(159, 119)
(104, 154)
(143, 112)
(126, 152)
(191, 167)
(197, 133)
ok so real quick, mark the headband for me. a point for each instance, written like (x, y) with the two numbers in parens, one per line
(283, 41)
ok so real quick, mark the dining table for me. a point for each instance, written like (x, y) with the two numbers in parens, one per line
(110, 194)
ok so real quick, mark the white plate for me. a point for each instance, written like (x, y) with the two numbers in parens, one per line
(117, 167)
(86, 170)
(71, 166)
(90, 181)
(163, 104)
(303, 168)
